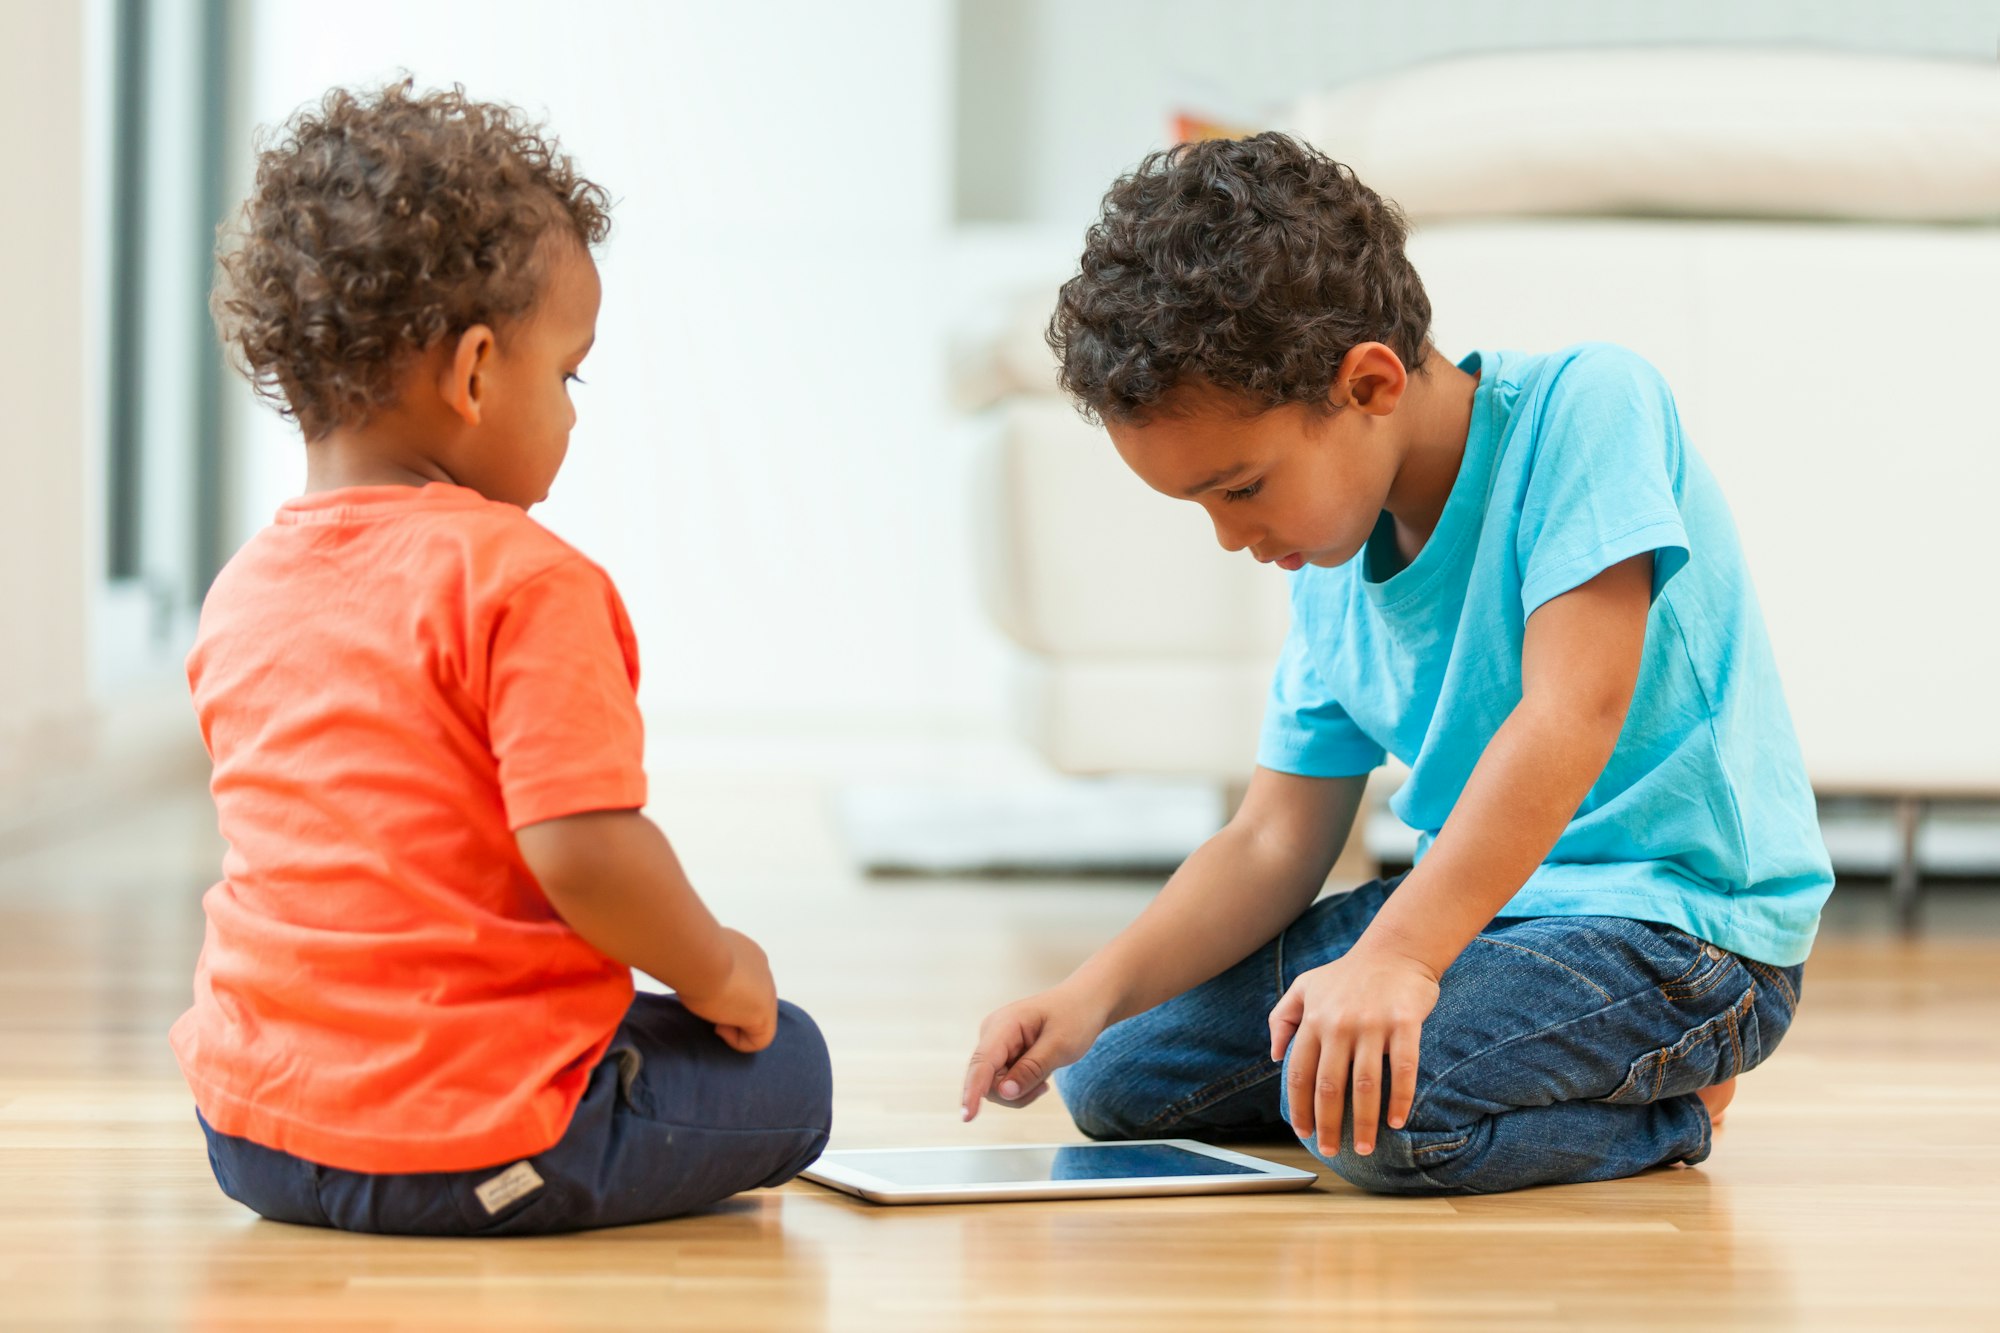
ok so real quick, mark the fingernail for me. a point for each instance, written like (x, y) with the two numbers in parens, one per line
(1010, 1089)
(964, 1113)
(1364, 1148)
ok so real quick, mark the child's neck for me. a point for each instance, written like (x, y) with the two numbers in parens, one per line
(387, 451)
(1436, 413)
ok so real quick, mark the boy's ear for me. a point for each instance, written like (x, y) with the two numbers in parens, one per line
(462, 387)
(1372, 378)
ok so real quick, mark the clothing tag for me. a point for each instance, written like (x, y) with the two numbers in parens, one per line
(515, 1182)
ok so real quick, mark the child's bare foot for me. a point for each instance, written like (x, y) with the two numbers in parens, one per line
(1717, 1100)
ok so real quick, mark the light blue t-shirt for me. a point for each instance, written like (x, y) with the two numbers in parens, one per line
(1703, 818)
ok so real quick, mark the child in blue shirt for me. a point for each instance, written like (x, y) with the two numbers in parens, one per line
(1515, 575)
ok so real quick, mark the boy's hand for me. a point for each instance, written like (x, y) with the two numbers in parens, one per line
(1022, 1044)
(744, 1008)
(1342, 1020)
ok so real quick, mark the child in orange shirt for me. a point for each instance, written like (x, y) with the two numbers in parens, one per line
(414, 1008)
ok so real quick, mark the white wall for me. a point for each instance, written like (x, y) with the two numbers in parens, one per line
(764, 462)
(44, 549)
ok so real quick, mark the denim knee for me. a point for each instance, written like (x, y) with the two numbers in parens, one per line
(802, 1046)
(1098, 1093)
(1391, 1169)
(790, 1106)
(811, 1073)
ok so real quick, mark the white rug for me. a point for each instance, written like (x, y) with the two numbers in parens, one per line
(1114, 825)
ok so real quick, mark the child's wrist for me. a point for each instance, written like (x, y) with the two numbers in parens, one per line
(1382, 940)
(1093, 993)
(716, 982)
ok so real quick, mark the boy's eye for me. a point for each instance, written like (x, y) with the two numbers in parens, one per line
(1244, 492)
(572, 379)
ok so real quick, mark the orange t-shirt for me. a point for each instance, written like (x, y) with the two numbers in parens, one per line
(390, 680)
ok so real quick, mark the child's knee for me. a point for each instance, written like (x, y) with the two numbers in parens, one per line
(801, 1051)
(1097, 1091)
(1392, 1168)
(799, 1081)
(1395, 1166)
(797, 1026)
(1407, 1161)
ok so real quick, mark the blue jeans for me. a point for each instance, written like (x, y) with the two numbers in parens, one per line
(1562, 1049)
(672, 1120)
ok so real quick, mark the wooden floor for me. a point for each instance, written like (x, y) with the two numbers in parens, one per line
(1857, 1185)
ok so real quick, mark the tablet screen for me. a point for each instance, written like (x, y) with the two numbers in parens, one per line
(999, 1166)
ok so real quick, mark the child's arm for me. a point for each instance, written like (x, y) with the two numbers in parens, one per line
(615, 880)
(1237, 891)
(1579, 664)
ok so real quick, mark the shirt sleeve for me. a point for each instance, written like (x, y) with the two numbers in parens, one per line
(562, 704)
(1306, 731)
(1602, 490)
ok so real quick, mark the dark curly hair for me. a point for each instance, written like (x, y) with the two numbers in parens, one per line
(380, 223)
(1253, 265)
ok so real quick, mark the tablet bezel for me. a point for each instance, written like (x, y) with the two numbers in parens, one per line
(1263, 1176)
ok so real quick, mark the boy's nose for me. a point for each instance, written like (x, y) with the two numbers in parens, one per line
(1231, 540)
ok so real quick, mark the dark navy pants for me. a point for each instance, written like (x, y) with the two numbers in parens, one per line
(672, 1120)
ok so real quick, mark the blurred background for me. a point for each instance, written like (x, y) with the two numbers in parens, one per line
(819, 452)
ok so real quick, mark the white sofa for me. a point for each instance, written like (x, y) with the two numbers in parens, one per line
(1841, 374)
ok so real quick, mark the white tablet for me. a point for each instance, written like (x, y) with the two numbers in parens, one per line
(989, 1174)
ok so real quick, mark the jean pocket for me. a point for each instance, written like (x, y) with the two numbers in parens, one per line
(630, 1064)
(1702, 968)
(1717, 1050)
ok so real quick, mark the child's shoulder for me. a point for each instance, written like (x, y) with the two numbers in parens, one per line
(508, 539)
(1583, 369)
(442, 536)
(1579, 397)
(1578, 367)
(499, 554)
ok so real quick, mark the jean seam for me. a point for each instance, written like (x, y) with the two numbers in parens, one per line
(1203, 1098)
(1669, 1056)
(1680, 1051)
(1521, 948)
(1690, 970)
(1646, 993)
(1736, 1015)
(1450, 1146)
(1736, 1034)
(1777, 979)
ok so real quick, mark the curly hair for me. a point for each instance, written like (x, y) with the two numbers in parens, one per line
(380, 223)
(1253, 265)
